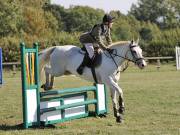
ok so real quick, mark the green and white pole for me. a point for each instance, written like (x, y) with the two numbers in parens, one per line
(30, 92)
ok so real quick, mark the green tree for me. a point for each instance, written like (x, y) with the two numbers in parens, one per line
(10, 17)
(59, 13)
(165, 13)
(124, 27)
(76, 18)
(82, 18)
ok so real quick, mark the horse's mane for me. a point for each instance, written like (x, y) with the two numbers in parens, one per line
(119, 43)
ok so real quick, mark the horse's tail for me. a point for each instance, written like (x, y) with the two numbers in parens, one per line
(44, 57)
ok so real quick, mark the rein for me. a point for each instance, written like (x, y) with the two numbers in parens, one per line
(115, 54)
(124, 57)
(115, 61)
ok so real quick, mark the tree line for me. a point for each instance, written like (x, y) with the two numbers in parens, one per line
(155, 22)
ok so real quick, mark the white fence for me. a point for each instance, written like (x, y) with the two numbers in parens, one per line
(177, 58)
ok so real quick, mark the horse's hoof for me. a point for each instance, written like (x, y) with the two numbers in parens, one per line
(119, 119)
(50, 88)
(46, 89)
(121, 110)
(43, 86)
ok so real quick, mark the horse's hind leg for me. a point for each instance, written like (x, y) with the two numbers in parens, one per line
(48, 85)
(51, 82)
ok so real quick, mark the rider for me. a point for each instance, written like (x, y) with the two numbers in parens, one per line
(95, 38)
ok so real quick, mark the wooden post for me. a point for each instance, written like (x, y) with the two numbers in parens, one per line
(158, 64)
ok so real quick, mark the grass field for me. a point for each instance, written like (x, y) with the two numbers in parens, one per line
(152, 100)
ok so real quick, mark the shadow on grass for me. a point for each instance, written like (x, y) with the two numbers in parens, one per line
(20, 127)
(11, 127)
(93, 114)
(5, 127)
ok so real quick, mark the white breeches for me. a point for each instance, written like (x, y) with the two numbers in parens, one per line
(90, 49)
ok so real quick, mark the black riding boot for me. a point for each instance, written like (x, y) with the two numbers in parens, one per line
(83, 64)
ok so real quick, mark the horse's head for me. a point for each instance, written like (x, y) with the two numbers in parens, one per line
(136, 54)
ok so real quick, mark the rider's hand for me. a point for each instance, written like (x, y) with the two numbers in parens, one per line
(110, 50)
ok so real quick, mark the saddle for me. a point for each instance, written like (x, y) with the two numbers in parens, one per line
(91, 63)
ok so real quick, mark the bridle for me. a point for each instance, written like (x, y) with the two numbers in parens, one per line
(134, 60)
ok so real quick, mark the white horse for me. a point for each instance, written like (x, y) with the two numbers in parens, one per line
(58, 60)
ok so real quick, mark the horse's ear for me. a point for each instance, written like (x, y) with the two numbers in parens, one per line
(132, 41)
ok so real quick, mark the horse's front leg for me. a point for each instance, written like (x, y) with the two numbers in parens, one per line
(121, 101)
(117, 99)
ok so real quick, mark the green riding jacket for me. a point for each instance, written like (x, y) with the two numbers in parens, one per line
(99, 35)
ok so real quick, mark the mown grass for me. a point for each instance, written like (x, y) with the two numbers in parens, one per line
(152, 100)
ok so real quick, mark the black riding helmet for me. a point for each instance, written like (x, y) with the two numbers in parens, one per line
(108, 18)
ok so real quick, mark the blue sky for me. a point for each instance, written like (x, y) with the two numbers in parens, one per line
(107, 5)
